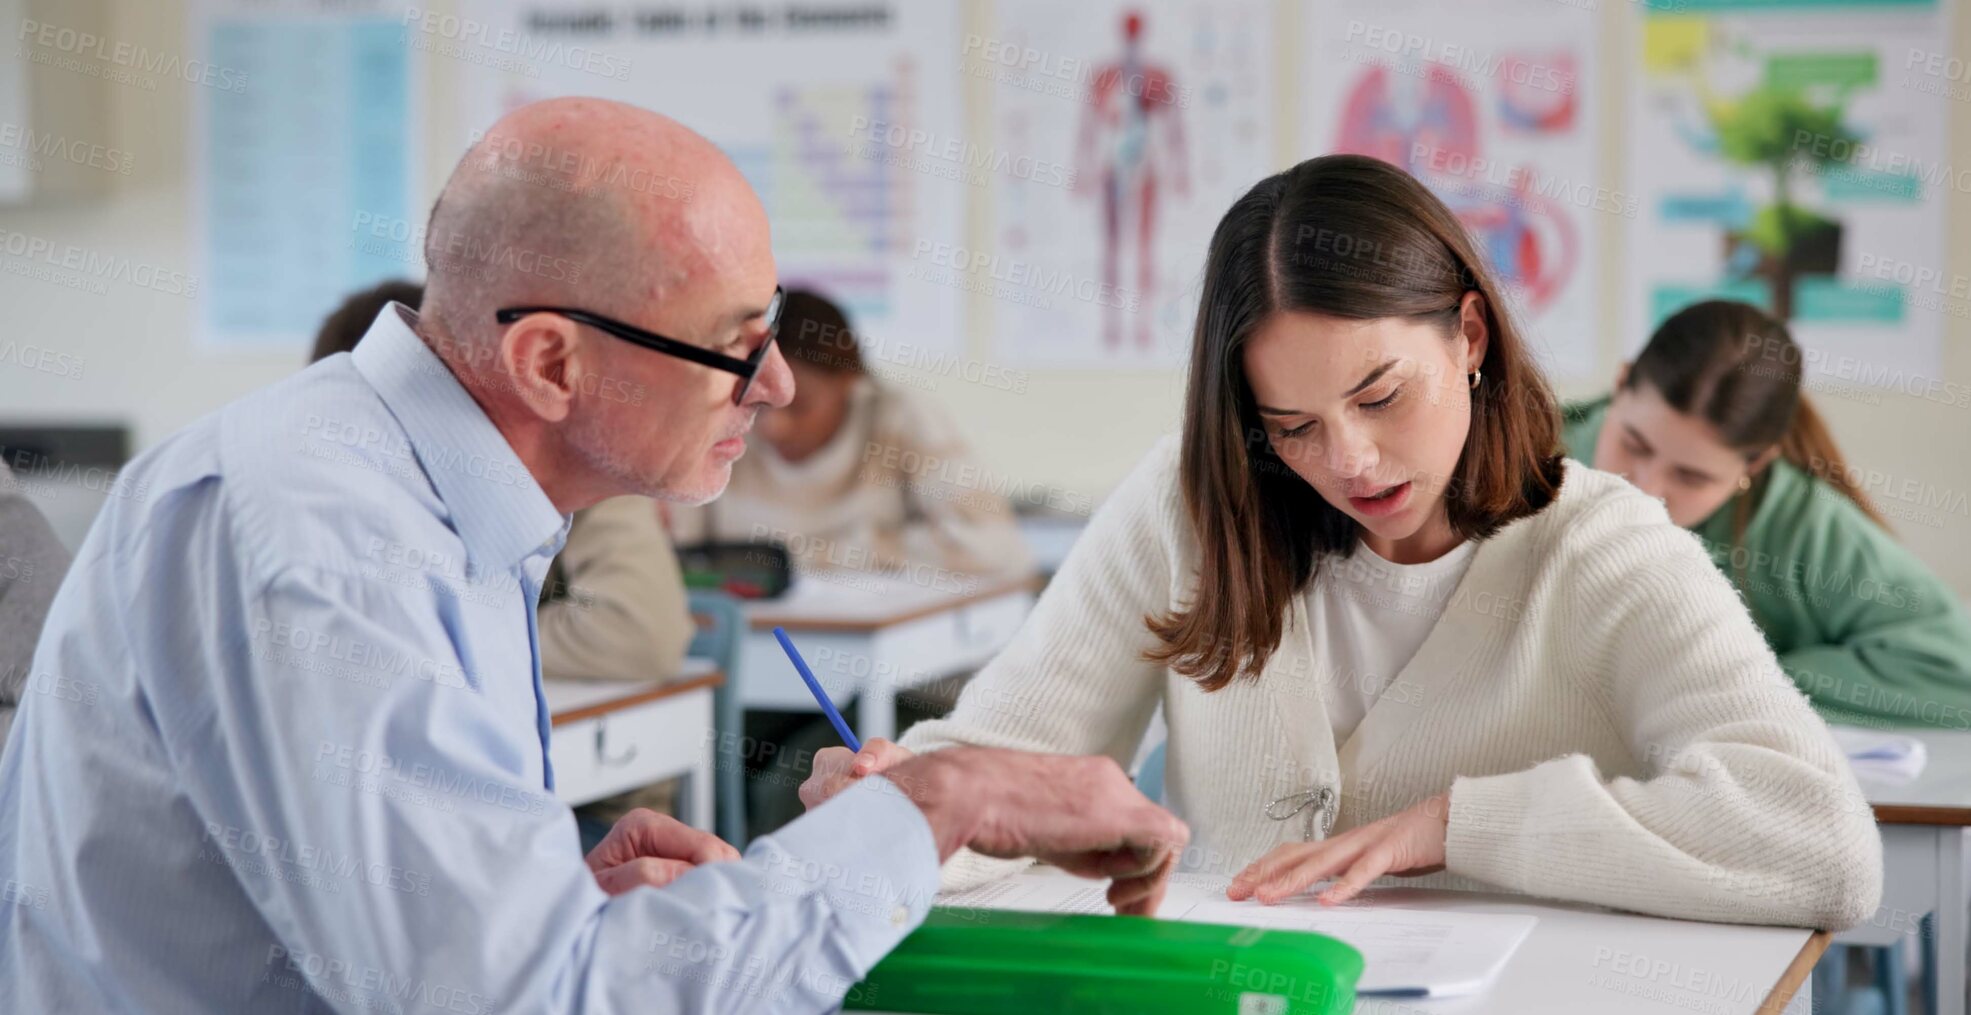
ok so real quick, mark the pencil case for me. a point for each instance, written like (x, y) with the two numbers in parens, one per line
(1005, 962)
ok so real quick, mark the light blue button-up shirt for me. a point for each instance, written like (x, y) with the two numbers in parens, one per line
(284, 749)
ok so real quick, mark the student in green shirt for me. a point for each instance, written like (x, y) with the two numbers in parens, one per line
(1710, 419)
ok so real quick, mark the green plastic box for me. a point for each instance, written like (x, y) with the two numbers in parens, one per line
(1004, 962)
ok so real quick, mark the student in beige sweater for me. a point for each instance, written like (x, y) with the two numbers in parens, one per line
(860, 475)
(1392, 631)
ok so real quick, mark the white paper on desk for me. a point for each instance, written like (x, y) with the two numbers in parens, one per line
(1884, 757)
(1447, 953)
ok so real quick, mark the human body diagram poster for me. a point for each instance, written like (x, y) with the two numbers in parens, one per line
(1129, 129)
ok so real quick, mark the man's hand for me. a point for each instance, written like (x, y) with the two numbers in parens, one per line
(838, 768)
(1409, 842)
(1081, 814)
(648, 848)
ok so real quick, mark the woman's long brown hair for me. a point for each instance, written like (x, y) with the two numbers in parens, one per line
(1737, 368)
(1351, 237)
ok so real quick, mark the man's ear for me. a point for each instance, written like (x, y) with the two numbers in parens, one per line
(1622, 373)
(1472, 326)
(540, 359)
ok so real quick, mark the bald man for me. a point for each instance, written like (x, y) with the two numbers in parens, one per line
(309, 771)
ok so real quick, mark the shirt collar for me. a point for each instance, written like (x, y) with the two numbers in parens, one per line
(499, 511)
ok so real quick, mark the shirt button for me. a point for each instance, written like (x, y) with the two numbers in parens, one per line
(899, 916)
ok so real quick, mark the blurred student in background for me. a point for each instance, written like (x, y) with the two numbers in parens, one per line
(859, 474)
(613, 604)
(856, 477)
(1710, 418)
(32, 563)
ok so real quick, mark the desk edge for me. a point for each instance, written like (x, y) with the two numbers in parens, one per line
(575, 715)
(1921, 814)
(767, 621)
(1796, 974)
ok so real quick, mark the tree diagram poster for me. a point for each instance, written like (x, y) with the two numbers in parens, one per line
(1120, 133)
(829, 108)
(1793, 155)
(1493, 107)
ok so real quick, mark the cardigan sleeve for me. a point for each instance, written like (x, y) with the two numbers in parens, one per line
(1744, 810)
(1074, 680)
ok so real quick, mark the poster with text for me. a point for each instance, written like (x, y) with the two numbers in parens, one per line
(1793, 155)
(18, 164)
(802, 97)
(1491, 105)
(306, 126)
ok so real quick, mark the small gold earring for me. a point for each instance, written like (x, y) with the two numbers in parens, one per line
(1474, 380)
(1744, 483)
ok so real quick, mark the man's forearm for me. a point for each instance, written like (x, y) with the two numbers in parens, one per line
(944, 785)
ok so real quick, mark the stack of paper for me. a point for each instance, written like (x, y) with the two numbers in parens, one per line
(1882, 757)
(1405, 952)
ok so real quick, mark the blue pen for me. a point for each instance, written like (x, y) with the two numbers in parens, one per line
(814, 687)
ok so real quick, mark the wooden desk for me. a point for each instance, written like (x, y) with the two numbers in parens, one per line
(1926, 845)
(872, 637)
(611, 735)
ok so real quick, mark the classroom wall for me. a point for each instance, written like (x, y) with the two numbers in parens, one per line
(1078, 431)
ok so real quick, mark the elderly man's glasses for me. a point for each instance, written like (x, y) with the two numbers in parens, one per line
(747, 368)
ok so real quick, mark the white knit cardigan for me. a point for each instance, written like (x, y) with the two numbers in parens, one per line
(1611, 724)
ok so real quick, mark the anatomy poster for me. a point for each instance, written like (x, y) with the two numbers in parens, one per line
(1124, 129)
(1493, 107)
(838, 113)
(1794, 155)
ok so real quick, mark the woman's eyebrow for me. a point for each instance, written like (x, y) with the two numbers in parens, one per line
(1374, 376)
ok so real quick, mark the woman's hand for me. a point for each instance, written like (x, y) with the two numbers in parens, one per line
(837, 768)
(1409, 842)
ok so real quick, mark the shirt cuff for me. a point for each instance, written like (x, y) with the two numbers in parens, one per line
(870, 853)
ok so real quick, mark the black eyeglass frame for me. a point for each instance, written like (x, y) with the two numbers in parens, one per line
(747, 369)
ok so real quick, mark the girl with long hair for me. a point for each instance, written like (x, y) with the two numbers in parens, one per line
(1711, 419)
(1393, 631)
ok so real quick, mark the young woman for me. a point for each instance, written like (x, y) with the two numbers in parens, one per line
(1710, 419)
(858, 474)
(1393, 631)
